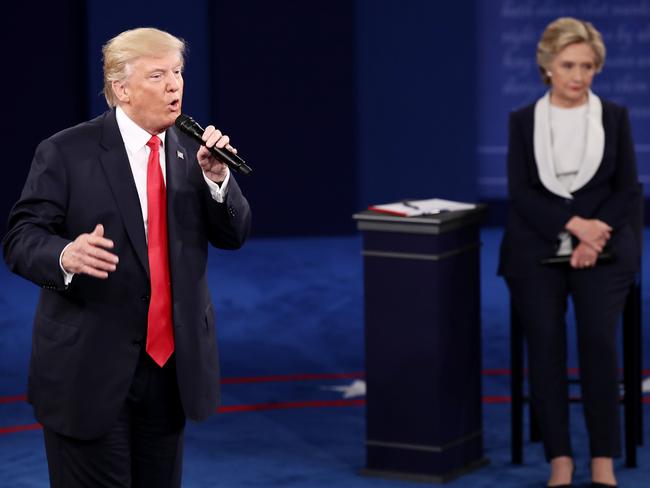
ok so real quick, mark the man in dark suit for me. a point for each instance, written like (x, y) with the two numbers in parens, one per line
(113, 224)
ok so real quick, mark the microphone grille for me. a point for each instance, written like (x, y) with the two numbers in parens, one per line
(189, 126)
(182, 120)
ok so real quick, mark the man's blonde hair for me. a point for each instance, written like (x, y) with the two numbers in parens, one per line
(562, 32)
(121, 51)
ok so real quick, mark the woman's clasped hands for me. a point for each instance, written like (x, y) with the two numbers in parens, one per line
(593, 235)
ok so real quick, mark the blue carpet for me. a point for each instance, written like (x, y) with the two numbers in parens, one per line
(293, 307)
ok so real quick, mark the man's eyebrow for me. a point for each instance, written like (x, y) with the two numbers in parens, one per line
(156, 69)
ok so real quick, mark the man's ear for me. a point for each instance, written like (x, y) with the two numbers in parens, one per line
(121, 91)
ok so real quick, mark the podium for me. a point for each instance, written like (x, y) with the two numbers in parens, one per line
(422, 344)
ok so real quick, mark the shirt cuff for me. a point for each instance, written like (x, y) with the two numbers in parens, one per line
(218, 191)
(67, 277)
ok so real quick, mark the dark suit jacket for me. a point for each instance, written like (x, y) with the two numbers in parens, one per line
(87, 338)
(536, 216)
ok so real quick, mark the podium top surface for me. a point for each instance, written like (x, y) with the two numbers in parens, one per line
(422, 224)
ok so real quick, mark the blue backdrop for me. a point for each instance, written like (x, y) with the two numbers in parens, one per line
(44, 85)
(336, 104)
(416, 76)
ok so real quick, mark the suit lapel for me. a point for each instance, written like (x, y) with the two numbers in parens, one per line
(120, 177)
(176, 168)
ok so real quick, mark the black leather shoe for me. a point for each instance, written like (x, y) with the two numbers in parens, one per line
(602, 485)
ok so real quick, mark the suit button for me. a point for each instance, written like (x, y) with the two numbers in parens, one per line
(144, 298)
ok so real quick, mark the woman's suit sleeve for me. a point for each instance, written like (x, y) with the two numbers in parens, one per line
(625, 192)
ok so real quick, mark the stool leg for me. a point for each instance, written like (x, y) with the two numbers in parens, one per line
(638, 329)
(516, 387)
(535, 433)
(631, 375)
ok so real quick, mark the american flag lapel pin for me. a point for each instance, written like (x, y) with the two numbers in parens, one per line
(180, 155)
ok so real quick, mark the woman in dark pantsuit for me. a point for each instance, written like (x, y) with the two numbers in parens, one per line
(573, 191)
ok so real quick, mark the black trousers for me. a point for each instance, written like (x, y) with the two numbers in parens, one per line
(144, 448)
(598, 295)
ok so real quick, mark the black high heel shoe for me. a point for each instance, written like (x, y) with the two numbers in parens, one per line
(602, 485)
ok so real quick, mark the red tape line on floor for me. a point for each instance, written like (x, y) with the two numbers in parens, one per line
(13, 399)
(357, 402)
(19, 428)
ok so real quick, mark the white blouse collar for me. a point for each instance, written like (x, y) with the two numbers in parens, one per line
(594, 150)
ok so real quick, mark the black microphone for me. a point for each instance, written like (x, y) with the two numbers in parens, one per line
(189, 126)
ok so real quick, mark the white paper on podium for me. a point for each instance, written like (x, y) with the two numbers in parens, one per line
(412, 208)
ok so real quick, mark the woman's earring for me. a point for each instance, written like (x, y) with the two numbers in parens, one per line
(548, 73)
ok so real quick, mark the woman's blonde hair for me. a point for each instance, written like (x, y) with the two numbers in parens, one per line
(121, 51)
(562, 32)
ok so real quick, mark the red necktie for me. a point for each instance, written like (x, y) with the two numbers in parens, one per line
(160, 334)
